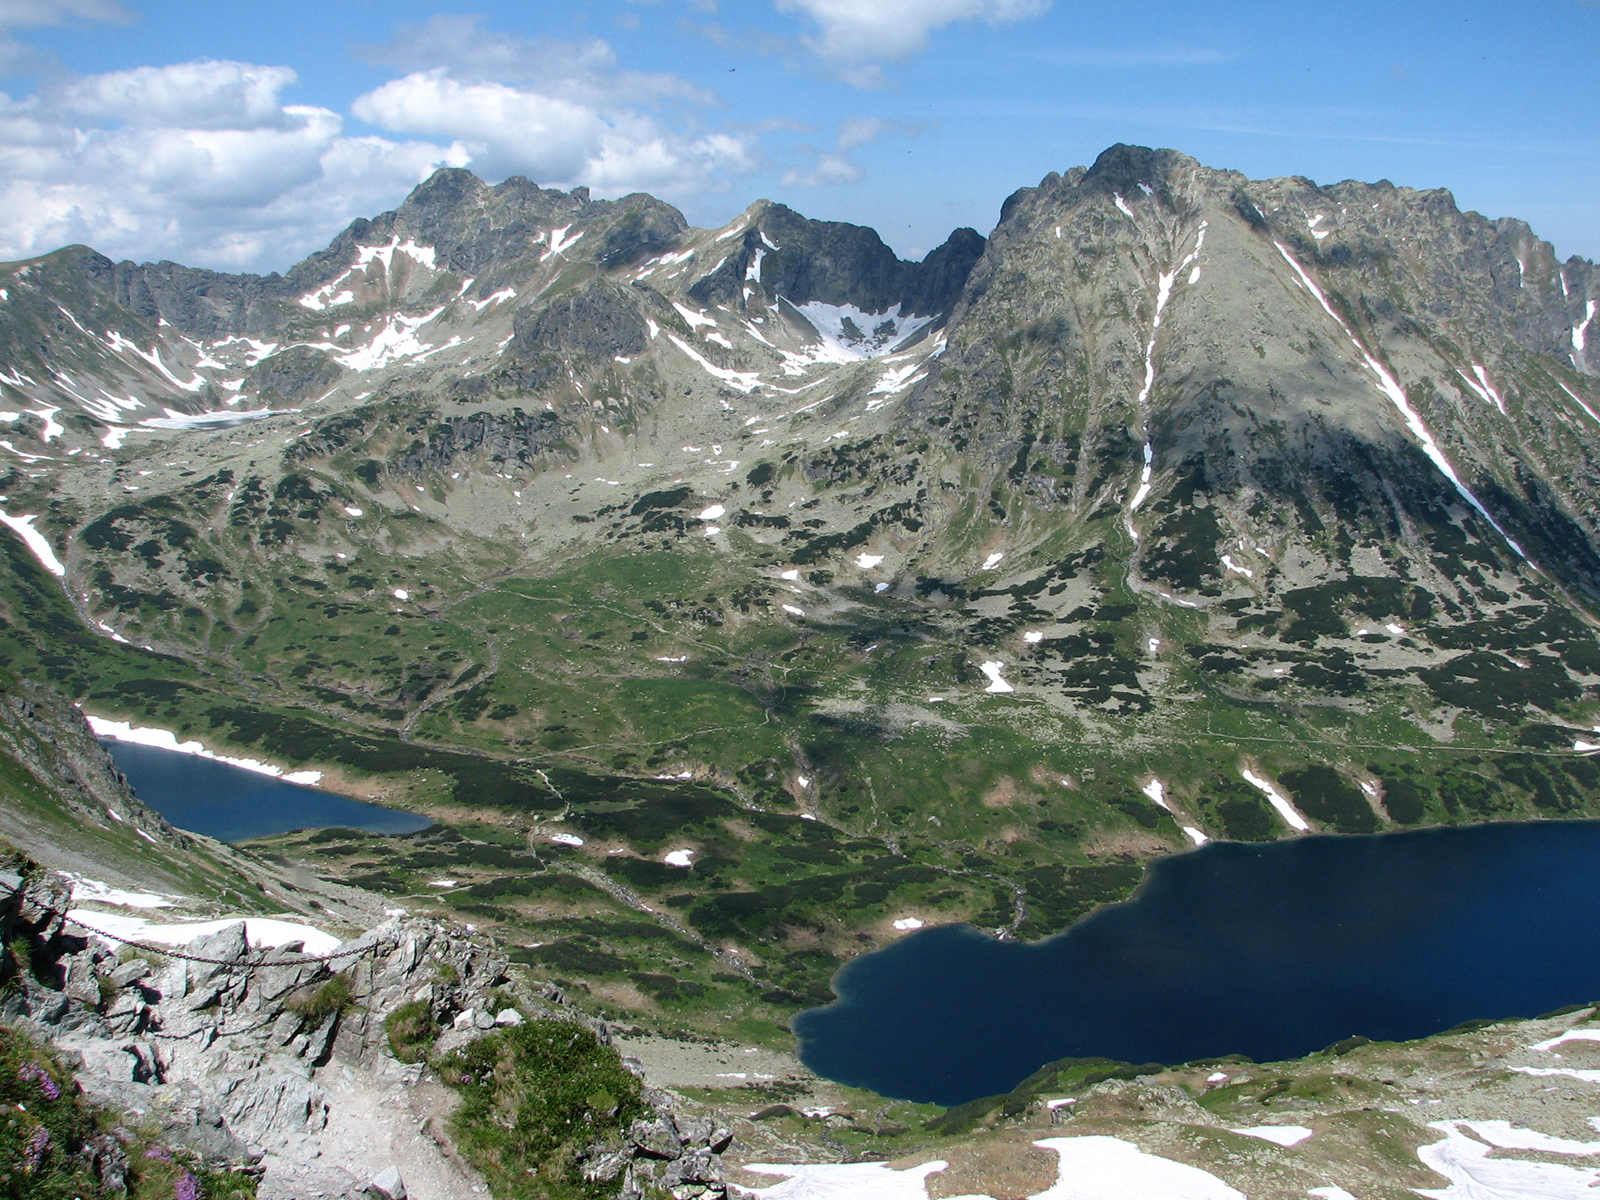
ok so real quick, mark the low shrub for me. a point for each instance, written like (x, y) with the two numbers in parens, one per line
(532, 1098)
(334, 996)
(411, 1031)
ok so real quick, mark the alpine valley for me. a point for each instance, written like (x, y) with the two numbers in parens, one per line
(735, 601)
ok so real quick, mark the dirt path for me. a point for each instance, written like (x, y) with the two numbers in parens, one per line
(378, 1118)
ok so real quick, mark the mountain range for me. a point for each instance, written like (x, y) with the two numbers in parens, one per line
(736, 600)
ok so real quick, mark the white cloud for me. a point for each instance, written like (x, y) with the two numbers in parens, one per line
(836, 166)
(194, 95)
(200, 162)
(206, 163)
(558, 112)
(584, 71)
(857, 35)
(828, 169)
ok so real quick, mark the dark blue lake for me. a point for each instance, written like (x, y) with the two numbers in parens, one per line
(1271, 951)
(232, 804)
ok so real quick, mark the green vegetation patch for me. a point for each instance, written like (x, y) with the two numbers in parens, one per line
(1324, 796)
(532, 1099)
(1067, 1076)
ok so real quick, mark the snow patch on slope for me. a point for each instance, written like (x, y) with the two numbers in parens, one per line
(850, 334)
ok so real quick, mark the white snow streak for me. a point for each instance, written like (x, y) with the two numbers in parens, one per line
(1277, 799)
(1473, 1175)
(1227, 562)
(1157, 791)
(502, 294)
(1580, 333)
(1581, 402)
(396, 340)
(1397, 396)
(849, 334)
(1089, 1168)
(744, 381)
(223, 419)
(559, 241)
(1164, 283)
(42, 550)
(695, 319)
(1485, 390)
(103, 893)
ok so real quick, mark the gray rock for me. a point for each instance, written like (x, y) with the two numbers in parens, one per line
(606, 1165)
(387, 1185)
(128, 1014)
(693, 1131)
(320, 1041)
(284, 1028)
(273, 1102)
(82, 984)
(508, 1017)
(694, 1167)
(130, 971)
(656, 1138)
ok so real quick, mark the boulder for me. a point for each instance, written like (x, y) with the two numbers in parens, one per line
(606, 1165)
(697, 1173)
(657, 1138)
(387, 1185)
(130, 972)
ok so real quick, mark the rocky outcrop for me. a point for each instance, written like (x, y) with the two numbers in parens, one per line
(244, 1055)
(593, 323)
(836, 263)
(507, 441)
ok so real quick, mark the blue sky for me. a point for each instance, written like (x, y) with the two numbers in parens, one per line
(244, 136)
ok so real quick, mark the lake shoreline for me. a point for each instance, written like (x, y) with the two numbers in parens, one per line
(1271, 950)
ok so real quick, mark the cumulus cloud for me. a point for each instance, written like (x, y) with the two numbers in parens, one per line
(858, 35)
(207, 163)
(201, 162)
(507, 130)
(562, 113)
(194, 95)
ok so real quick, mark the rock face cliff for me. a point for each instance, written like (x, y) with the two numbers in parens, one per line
(282, 1063)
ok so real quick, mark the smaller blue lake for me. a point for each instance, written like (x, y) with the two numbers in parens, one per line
(233, 805)
(1271, 951)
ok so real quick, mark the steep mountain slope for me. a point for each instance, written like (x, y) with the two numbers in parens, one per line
(755, 586)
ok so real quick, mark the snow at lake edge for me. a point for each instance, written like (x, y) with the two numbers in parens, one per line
(163, 739)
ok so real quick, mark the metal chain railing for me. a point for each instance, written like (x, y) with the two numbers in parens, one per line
(173, 952)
